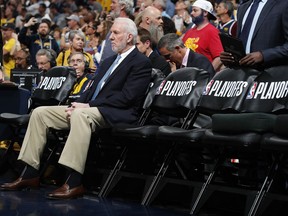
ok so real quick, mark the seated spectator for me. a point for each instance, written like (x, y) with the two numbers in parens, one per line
(172, 48)
(45, 59)
(73, 23)
(144, 45)
(22, 59)
(110, 100)
(9, 48)
(152, 21)
(83, 75)
(224, 12)
(77, 42)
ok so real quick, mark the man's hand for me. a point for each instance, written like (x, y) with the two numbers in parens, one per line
(227, 59)
(252, 59)
(73, 106)
(32, 21)
(173, 66)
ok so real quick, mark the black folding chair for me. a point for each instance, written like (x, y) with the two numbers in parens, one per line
(176, 99)
(215, 99)
(273, 191)
(239, 119)
(53, 89)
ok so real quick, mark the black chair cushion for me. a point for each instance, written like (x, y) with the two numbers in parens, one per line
(243, 140)
(141, 132)
(179, 134)
(243, 122)
(15, 119)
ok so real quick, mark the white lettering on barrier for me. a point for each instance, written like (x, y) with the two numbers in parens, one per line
(270, 90)
(52, 83)
(177, 88)
(219, 88)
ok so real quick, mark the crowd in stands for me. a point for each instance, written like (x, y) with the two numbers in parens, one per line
(38, 24)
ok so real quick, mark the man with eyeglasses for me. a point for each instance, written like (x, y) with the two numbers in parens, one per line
(45, 59)
(22, 59)
(115, 97)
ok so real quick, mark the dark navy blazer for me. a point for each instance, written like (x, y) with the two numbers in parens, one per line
(121, 97)
(200, 61)
(271, 31)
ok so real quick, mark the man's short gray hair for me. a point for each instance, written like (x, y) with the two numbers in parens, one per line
(170, 41)
(49, 53)
(129, 26)
(129, 6)
(80, 33)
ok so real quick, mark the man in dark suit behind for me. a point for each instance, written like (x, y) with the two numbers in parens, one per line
(144, 45)
(110, 100)
(172, 48)
(267, 43)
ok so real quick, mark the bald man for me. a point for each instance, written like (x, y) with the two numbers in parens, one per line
(152, 21)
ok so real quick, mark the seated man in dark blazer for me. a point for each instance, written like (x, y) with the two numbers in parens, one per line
(144, 45)
(115, 96)
(174, 51)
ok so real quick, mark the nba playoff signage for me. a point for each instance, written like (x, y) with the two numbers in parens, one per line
(55, 85)
(182, 88)
(227, 89)
(269, 91)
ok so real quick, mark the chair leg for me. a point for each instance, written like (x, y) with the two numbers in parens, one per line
(152, 190)
(264, 188)
(112, 176)
(203, 194)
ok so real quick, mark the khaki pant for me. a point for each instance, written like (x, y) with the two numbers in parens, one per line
(83, 122)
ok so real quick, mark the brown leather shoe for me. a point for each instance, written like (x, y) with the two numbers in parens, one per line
(20, 184)
(65, 192)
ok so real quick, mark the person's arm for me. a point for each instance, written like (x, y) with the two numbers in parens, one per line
(22, 37)
(63, 44)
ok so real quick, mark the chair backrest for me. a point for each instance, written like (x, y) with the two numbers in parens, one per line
(180, 92)
(55, 86)
(157, 76)
(227, 90)
(269, 92)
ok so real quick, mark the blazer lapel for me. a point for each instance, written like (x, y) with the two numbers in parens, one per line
(121, 66)
(241, 14)
(264, 13)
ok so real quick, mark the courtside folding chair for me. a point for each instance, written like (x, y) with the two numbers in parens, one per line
(53, 89)
(175, 100)
(223, 94)
(274, 144)
(239, 135)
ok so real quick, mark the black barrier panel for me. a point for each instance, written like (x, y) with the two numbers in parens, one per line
(227, 90)
(55, 85)
(269, 91)
(182, 88)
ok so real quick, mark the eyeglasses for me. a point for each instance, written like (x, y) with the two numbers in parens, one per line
(41, 63)
(78, 61)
